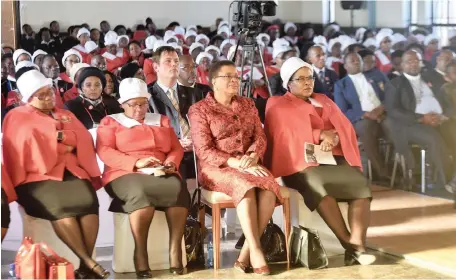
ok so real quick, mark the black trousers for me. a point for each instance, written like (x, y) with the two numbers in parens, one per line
(369, 132)
(434, 139)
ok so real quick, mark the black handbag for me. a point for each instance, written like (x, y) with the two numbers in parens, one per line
(306, 248)
(193, 234)
(273, 243)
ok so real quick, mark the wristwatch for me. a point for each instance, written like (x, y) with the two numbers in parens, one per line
(59, 136)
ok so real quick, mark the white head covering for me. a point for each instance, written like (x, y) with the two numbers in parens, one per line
(320, 40)
(360, 34)
(203, 55)
(170, 38)
(190, 33)
(224, 29)
(175, 46)
(223, 23)
(168, 34)
(232, 50)
(90, 46)
(179, 30)
(370, 42)
(280, 42)
(30, 82)
(18, 53)
(290, 66)
(123, 36)
(130, 88)
(202, 36)
(150, 41)
(227, 41)
(158, 43)
(263, 35)
(278, 50)
(110, 38)
(192, 27)
(75, 68)
(194, 46)
(37, 53)
(71, 52)
(83, 31)
(388, 31)
(397, 38)
(290, 25)
(429, 38)
(332, 42)
(381, 36)
(26, 63)
(346, 41)
(420, 38)
(211, 47)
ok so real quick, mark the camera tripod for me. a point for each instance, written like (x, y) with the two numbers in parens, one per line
(249, 46)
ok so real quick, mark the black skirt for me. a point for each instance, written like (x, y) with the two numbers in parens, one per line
(342, 182)
(6, 214)
(54, 200)
(132, 192)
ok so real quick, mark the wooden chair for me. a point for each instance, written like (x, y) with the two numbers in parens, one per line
(218, 201)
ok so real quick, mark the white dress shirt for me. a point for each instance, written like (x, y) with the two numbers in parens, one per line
(425, 100)
(366, 93)
(166, 90)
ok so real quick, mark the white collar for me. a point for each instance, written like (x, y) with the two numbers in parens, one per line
(165, 88)
(315, 103)
(11, 78)
(80, 48)
(440, 72)
(412, 78)
(318, 70)
(109, 56)
(151, 119)
(120, 52)
(47, 43)
(358, 76)
(192, 86)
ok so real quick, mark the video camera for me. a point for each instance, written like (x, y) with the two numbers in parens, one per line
(250, 14)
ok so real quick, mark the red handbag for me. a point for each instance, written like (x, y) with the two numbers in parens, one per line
(29, 262)
(39, 261)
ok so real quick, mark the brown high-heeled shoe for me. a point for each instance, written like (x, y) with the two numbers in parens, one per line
(241, 267)
(264, 270)
(104, 274)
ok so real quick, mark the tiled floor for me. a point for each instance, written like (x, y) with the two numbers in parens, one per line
(386, 267)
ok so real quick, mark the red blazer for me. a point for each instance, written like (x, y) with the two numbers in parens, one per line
(70, 94)
(272, 70)
(33, 154)
(85, 55)
(149, 71)
(65, 77)
(120, 146)
(288, 126)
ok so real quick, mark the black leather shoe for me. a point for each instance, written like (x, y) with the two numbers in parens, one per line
(240, 242)
(144, 274)
(176, 270)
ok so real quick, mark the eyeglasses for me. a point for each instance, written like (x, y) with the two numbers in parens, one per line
(45, 95)
(139, 106)
(304, 79)
(230, 78)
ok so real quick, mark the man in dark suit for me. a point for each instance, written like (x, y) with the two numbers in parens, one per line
(361, 100)
(324, 77)
(437, 76)
(173, 100)
(419, 112)
(187, 75)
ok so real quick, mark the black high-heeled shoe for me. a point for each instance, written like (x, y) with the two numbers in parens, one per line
(353, 257)
(104, 273)
(144, 274)
(176, 270)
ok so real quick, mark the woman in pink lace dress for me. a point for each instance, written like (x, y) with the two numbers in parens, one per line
(229, 143)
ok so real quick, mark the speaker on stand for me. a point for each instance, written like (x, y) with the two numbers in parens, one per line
(352, 6)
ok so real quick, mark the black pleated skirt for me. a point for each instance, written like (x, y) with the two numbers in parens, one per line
(6, 214)
(342, 182)
(54, 200)
(132, 192)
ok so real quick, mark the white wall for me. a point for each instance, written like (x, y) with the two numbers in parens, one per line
(389, 13)
(343, 16)
(130, 13)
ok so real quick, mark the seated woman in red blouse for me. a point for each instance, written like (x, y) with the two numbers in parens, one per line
(229, 143)
(142, 154)
(50, 159)
(302, 116)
